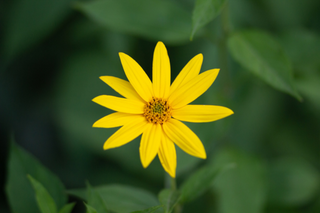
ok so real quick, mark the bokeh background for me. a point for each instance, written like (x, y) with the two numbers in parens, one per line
(53, 52)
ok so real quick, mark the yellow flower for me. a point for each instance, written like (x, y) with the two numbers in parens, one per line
(155, 109)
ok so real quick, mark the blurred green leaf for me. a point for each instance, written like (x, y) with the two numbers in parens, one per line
(45, 202)
(157, 20)
(149, 210)
(168, 198)
(292, 181)
(302, 47)
(200, 181)
(67, 208)
(310, 87)
(95, 200)
(242, 189)
(90, 209)
(30, 21)
(258, 52)
(120, 198)
(18, 188)
(205, 11)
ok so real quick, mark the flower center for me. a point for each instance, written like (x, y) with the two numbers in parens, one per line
(157, 111)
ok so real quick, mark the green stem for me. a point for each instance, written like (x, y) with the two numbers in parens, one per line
(173, 184)
(225, 18)
(223, 52)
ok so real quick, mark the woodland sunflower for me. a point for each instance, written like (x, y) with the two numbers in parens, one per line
(155, 109)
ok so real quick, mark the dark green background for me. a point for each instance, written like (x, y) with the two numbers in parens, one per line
(52, 53)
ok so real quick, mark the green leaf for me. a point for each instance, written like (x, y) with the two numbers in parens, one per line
(95, 200)
(242, 189)
(200, 181)
(120, 198)
(149, 210)
(259, 52)
(292, 182)
(301, 47)
(90, 209)
(67, 208)
(30, 21)
(18, 188)
(309, 86)
(157, 20)
(168, 198)
(205, 11)
(45, 202)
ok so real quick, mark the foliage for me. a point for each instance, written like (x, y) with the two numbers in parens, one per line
(264, 158)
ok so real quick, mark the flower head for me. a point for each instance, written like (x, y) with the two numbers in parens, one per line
(155, 109)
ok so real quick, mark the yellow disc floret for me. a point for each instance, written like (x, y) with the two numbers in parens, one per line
(157, 111)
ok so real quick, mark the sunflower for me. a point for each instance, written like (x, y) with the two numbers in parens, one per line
(155, 109)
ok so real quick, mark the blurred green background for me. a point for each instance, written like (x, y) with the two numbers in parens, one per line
(52, 53)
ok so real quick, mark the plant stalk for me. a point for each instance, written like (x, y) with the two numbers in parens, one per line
(223, 51)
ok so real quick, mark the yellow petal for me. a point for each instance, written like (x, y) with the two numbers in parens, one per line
(123, 87)
(193, 89)
(150, 142)
(137, 77)
(190, 71)
(115, 119)
(181, 135)
(161, 73)
(201, 113)
(126, 133)
(120, 104)
(167, 155)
